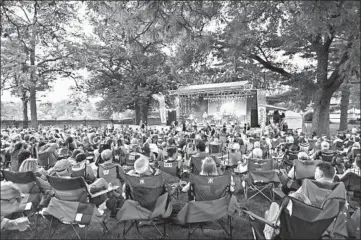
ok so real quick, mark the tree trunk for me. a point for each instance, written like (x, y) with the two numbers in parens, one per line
(321, 112)
(345, 99)
(33, 110)
(137, 114)
(25, 101)
(145, 113)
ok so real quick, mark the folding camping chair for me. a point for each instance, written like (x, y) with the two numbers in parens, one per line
(172, 175)
(71, 205)
(302, 170)
(353, 186)
(215, 149)
(146, 200)
(328, 156)
(298, 220)
(113, 174)
(261, 176)
(131, 158)
(28, 185)
(196, 164)
(209, 200)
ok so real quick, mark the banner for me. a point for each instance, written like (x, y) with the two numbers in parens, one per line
(162, 108)
(261, 105)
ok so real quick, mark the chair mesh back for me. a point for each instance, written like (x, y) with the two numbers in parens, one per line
(78, 173)
(305, 169)
(292, 155)
(196, 164)
(215, 148)
(131, 158)
(315, 220)
(26, 181)
(207, 188)
(110, 174)
(169, 167)
(69, 189)
(327, 156)
(145, 190)
(260, 165)
(352, 182)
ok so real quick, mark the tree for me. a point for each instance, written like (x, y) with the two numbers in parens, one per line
(326, 33)
(127, 57)
(44, 49)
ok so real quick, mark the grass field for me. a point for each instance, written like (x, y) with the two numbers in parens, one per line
(241, 227)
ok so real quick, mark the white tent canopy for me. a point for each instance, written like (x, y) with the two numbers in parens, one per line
(293, 119)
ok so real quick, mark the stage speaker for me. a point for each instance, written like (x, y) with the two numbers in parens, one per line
(254, 118)
(172, 116)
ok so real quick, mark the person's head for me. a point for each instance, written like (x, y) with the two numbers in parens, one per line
(80, 157)
(325, 145)
(302, 156)
(18, 146)
(141, 166)
(41, 144)
(257, 153)
(23, 155)
(257, 145)
(209, 167)
(201, 146)
(63, 168)
(10, 198)
(235, 147)
(172, 152)
(324, 171)
(30, 164)
(107, 155)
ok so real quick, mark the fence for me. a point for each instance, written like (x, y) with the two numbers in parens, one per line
(85, 122)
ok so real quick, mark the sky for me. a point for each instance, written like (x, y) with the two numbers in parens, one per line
(61, 87)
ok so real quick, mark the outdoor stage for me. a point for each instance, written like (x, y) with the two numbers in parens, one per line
(224, 103)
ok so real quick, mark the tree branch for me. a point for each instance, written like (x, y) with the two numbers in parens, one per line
(271, 67)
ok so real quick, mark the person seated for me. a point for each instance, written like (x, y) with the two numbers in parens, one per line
(324, 173)
(142, 167)
(10, 201)
(209, 168)
(115, 199)
(235, 155)
(256, 153)
(63, 169)
(325, 148)
(31, 165)
(81, 163)
(351, 150)
(47, 154)
(201, 152)
(354, 169)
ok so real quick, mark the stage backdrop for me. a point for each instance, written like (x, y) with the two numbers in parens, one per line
(237, 107)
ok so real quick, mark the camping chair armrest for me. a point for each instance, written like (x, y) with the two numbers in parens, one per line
(261, 219)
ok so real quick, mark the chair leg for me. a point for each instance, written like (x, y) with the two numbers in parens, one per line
(36, 226)
(56, 228)
(230, 226)
(189, 231)
(76, 232)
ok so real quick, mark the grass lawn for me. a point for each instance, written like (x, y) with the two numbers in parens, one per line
(241, 227)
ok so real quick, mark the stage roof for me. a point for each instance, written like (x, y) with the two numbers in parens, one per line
(214, 88)
(273, 108)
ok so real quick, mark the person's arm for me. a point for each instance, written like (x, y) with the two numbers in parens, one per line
(90, 174)
(44, 184)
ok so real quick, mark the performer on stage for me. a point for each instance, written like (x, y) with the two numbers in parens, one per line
(205, 115)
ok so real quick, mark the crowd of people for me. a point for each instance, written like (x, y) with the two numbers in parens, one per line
(140, 151)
